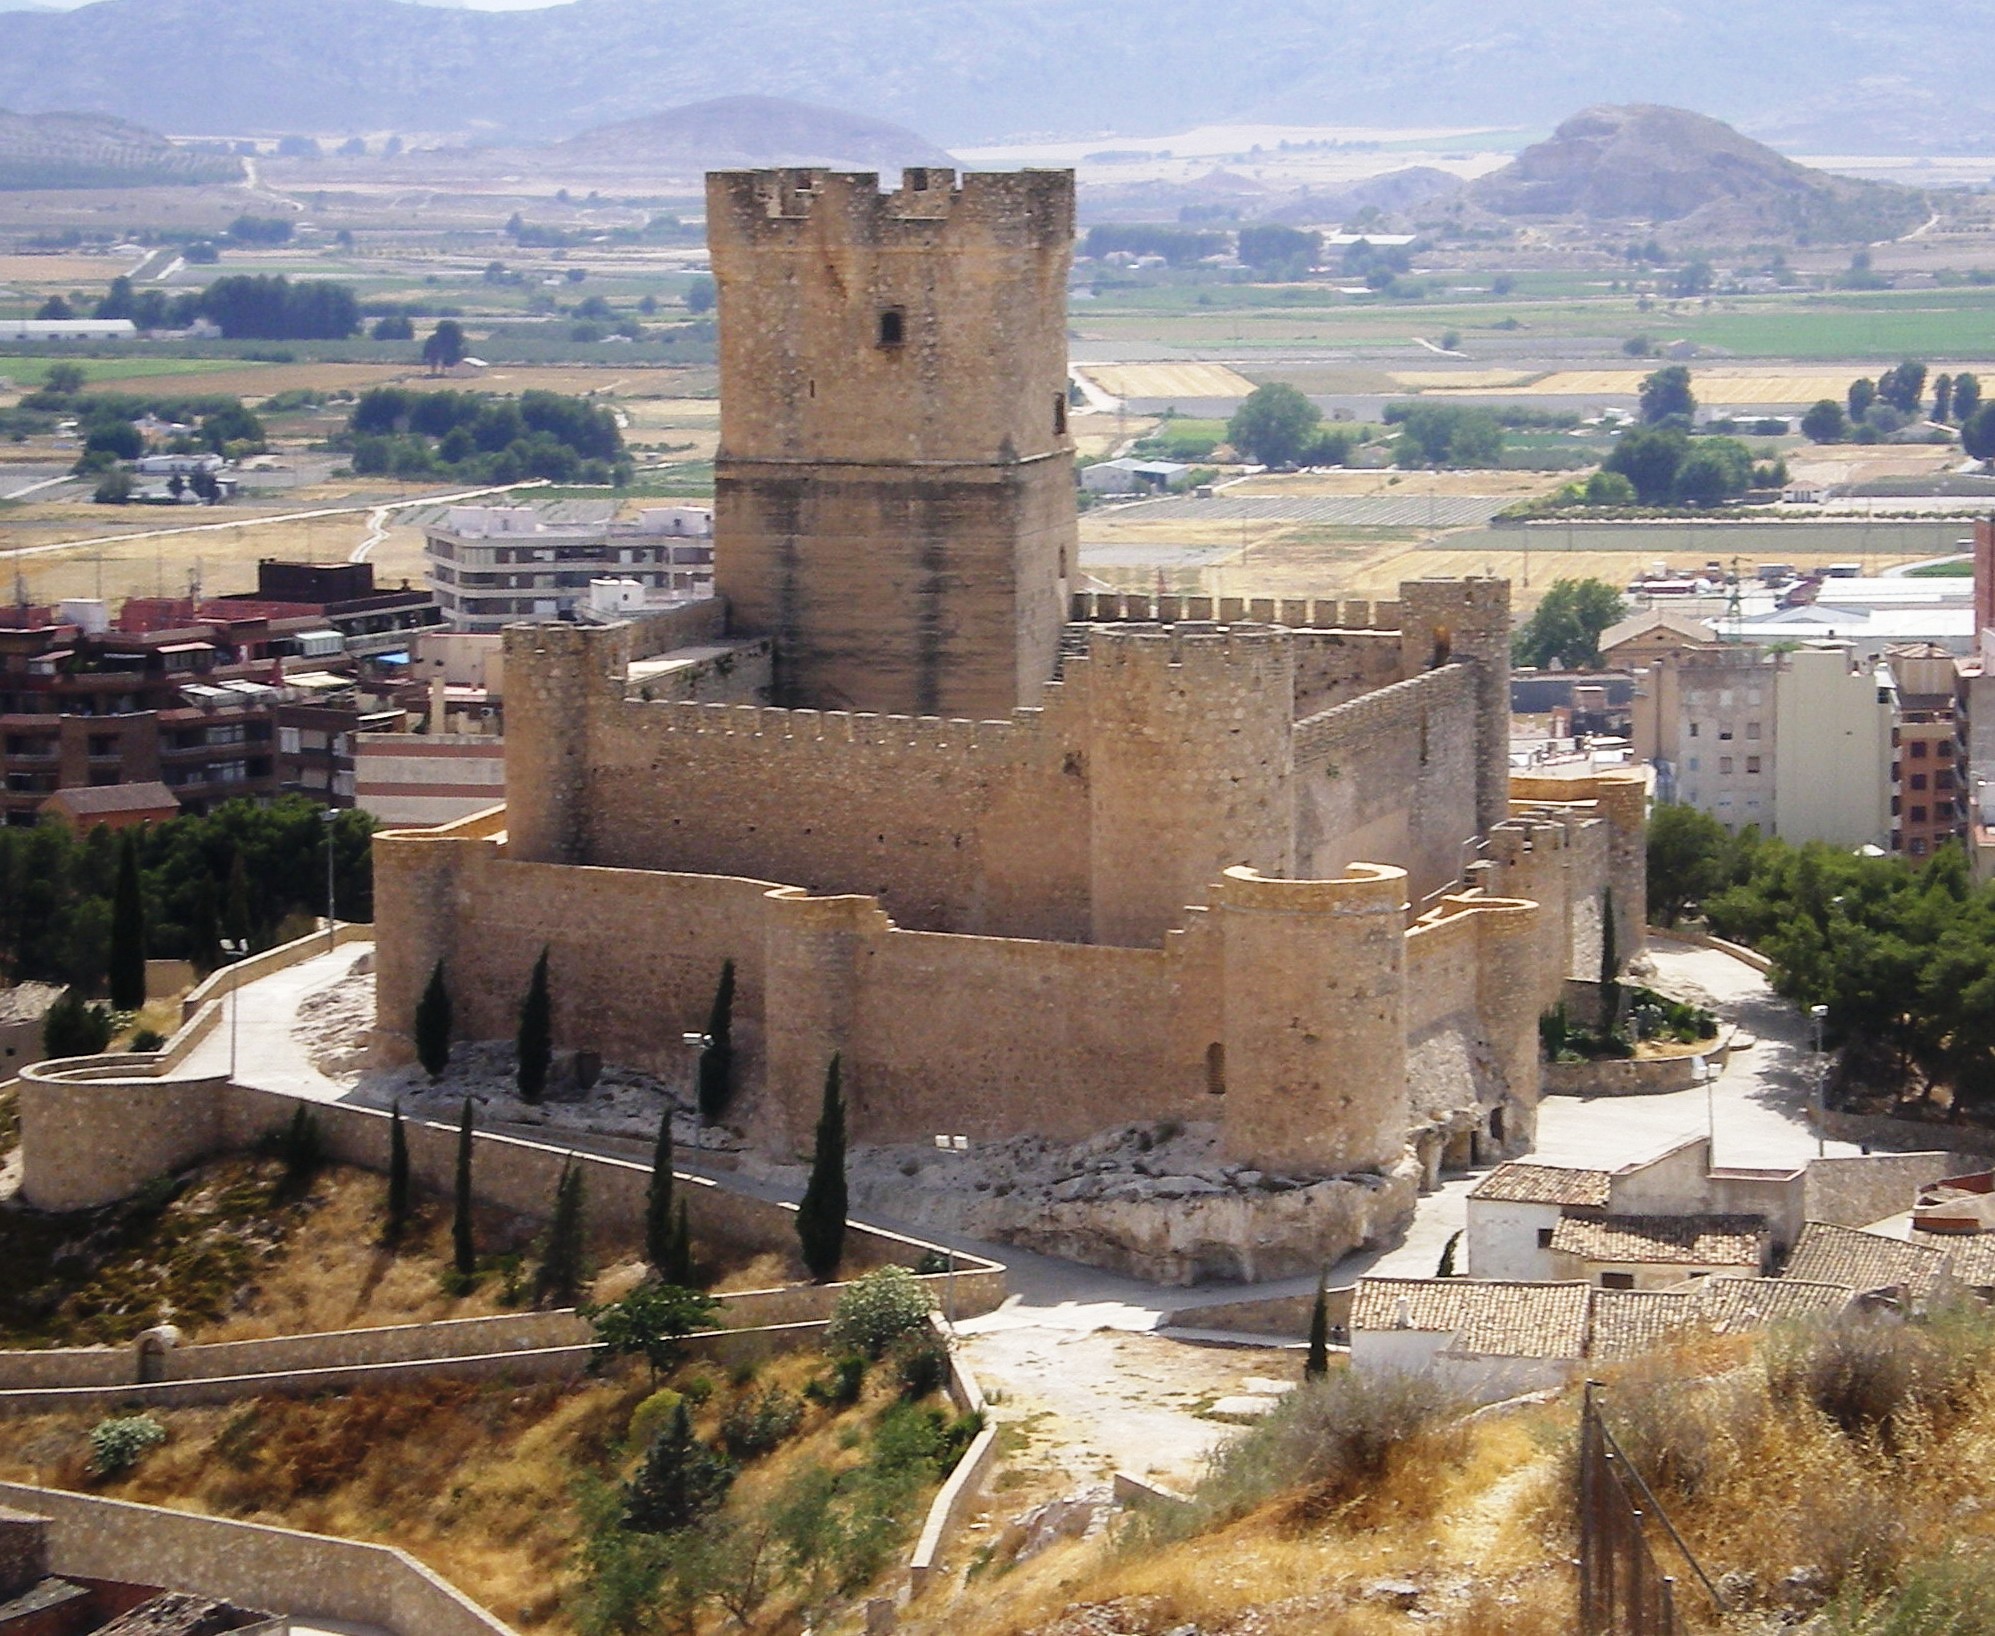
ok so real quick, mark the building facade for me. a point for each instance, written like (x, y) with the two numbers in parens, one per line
(494, 566)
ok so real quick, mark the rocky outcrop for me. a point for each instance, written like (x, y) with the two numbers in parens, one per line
(1158, 1201)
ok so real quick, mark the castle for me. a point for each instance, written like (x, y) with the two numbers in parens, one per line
(1028, 859)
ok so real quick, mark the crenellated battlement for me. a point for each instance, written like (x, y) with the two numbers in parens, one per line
(777, 729)
(1295, 613)
(1006, 209)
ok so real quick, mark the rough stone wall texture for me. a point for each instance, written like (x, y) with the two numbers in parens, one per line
(1621, 800)
(1189, 767)
(250, 1564)
(1391, 777)
(894, 497)
(23, 1552)
(1854, 1192)
(1315, 1019)
(1468, 620)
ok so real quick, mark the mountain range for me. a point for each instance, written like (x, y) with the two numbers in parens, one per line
(67, 150)
(1858, 76)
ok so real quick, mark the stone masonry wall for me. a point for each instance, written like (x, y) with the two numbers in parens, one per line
(1391, 775)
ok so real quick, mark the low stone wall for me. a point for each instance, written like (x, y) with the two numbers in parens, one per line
(958, 1495)
(1908, 1135)
(1283, 1316)
(1704, 940)
(1635, 1076)
(227, 979)
(250, 1564)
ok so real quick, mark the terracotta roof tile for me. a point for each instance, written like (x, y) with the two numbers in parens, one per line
(1628, 1322)
(1484, 1317)
(1697, 1241)
(1827, 1254)
(1734, 1306)
(1517, 1183)
(1970, 1256)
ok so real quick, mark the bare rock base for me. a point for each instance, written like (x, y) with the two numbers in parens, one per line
(1156, 1201)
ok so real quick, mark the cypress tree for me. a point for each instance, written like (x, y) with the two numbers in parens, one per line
(433, 1025)
(717, 1060)
(679, 1482)
(678, 1268)
(536, 1036)
(1317, 1363)
(821, 1215)
(398, 1177)
(204, 927)
(658, 1200)
(1446, 1268)
(1610, 969)
(127, 964)
(560, 1274)
(463, 1249)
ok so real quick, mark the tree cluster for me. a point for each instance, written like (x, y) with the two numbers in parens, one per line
(260, 307)
(1666, 466)
(1179, 246)
(1566, 627)
(241, 871)
(1276, 425)
(1871, 409)
(476, 437)
(1276, 251)
(1442, 434)
(1903, 957)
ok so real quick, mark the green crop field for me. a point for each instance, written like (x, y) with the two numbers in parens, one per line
(29, 373)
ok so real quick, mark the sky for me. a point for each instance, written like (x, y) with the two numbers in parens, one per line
(468, 5)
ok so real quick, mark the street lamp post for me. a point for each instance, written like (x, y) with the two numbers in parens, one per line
(1816, 1015)
(234, 950)
(699, 1044)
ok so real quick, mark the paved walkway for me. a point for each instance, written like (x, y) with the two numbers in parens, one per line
(256, 1030)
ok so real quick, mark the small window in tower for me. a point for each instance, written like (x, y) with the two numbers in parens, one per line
(1215, 1069)
(1059, 414)
(893, 326)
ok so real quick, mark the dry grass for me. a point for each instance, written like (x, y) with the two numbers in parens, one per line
(478, 1481)
(1841, 1478)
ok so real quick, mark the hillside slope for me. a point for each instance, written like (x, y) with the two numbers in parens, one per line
(64, 150)
(745, 132)
(965, 72)
(1667, 165)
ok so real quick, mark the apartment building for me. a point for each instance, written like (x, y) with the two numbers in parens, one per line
(1705, 717)
(493, 566)
(1928, 794)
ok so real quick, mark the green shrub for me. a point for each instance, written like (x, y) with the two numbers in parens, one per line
(73, 1028)
(650, 1415)
(921, 1362)
(1866, 1376)
(756, 1424)
(147, 1039)
(118, 1444)
(876, 1310)
(842, 1385)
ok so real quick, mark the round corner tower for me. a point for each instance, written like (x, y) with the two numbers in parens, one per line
(894, 488)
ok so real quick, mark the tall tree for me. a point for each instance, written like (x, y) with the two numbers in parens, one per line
(1666, 395)
(821, 1213)
(1966, 396)
(1977, 432)
(1273, 425)
(398, 1176)
(716, 1084)
(463, 1246)
(560, 1274)
(1862, 394)
(658, 1199)
(678, 1267)
(128, 938)
(1317, 1363)
(1942, 398)
(445, 347)
(1610, 967)
(680, 1480)
(536, 1033)
(433, 1024)
(1567, 625)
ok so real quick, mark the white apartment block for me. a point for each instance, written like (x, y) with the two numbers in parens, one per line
(494, 566)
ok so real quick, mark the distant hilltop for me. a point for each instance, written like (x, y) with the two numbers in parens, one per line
(63, 150)
(1668, 165)
(749, 133)
(1869, 78)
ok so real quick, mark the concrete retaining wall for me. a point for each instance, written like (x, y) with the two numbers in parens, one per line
(249, 1564)
(957, 1497)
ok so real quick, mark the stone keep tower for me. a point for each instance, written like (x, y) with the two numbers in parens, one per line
(894, 490)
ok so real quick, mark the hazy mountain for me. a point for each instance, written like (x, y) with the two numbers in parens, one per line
(1667, 165)
(94, 150)
(964, 70)
(747, 132)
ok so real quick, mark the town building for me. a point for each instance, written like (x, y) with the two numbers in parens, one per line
(494, 566)
(1928, 799)
(1022, 860)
